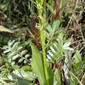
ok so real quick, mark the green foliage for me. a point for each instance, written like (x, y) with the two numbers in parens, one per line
(52, 32)
(21, 74)
(62, 3)
(76, 69)
(16, 51)
(58, 48)
(77, 57)
(19, 65)
(57, 77)
(15, 11)
(73, 80)
(18, 77)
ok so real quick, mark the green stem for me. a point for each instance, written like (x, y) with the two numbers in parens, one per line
(44, 56)
(39, 4)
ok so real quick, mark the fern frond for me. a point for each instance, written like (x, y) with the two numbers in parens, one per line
(58, 49)
(16, 52)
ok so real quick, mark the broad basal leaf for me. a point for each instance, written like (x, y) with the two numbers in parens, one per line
(50, 75)
(37, 64)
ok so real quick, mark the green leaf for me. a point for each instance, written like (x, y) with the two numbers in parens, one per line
(66, 46)
(55, 25)
(4, 29)
(62, 2)
(77, 57)
(26, 68)
(20, 74)
(48, 27)
(15, 57)
(23, 82)
(69, 48)
(1, 83)
(57, 32)
(37, 64)
(51, 75)
(73, 81)
(57, 77)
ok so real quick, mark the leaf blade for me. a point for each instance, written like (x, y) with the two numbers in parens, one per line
(4, 29)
